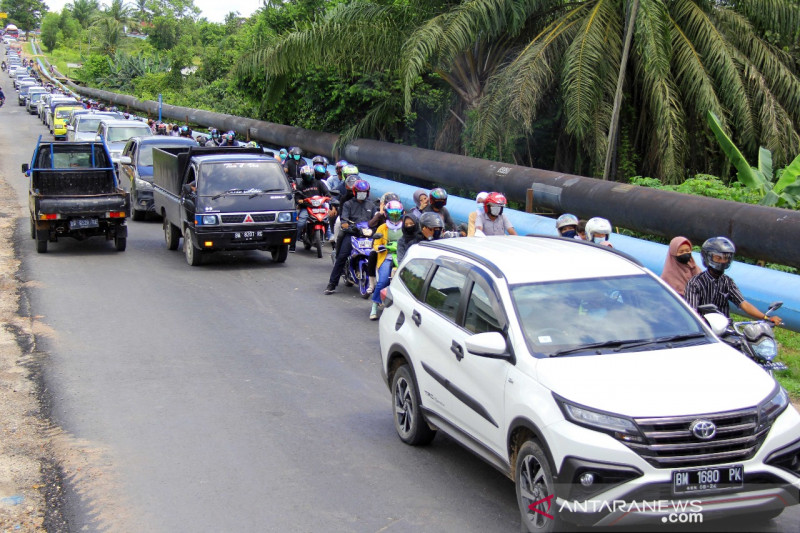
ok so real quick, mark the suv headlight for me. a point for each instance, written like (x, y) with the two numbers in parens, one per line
(205, 220)
(618, 426)
(771, 409)
(286, 217)
(766, 348)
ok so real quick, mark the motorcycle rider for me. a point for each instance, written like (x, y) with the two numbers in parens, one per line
(713, 286)
(420, 203)
(492, 221)
(216, 138)
(336, 179)
(184, 131)
(282, 155)
(2, 97)
(436, 204)
(345, 193)
(567, 226)
(430, 227)
(380, 263)
(229, 139)
(479, 199)
(294, 163)
(598, 230)
(354, 211)
(307, 186)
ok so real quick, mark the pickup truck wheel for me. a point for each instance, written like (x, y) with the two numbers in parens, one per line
(193, 255)
(280, 253)
(41, 246)
(409, 423)
(120, 243)
(138, 215)
(172, 235)
(33, 229)
(534, 482)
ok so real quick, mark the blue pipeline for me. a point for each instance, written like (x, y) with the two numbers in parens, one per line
(760, 286)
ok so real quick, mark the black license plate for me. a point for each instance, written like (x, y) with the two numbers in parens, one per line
(707, 479)
(83, 223)
(248, 235)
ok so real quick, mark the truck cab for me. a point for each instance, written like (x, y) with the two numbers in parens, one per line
(223, 199)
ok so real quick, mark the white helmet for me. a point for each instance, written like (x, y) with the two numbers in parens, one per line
(481, 197)
(597, 226)
(566, 220)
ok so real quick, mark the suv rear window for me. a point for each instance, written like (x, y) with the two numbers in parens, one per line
(414, 275)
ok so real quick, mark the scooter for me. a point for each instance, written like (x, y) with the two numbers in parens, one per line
(317, 225)
(754, 338)
(355, 269)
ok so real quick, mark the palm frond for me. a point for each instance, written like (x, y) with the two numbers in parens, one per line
(374, 124)
(779, 16)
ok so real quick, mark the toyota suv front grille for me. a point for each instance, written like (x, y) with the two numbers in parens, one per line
(670, 442)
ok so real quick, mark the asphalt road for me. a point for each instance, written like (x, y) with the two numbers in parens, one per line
(232, 396)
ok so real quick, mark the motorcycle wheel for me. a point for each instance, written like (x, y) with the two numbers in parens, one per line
(318, 242)
(363, 282)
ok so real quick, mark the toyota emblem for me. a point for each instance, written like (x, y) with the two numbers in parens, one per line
(703, 429)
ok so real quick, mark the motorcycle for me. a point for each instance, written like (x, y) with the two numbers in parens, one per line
(317, 225)
(355, 269)
(754, 338)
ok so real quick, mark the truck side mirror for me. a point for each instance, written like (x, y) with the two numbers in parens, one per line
(25, 167)
(187, 189)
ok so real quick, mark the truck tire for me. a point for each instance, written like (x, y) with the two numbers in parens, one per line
(172, 235)
(41, 245)
(280, 253)
(138, 215)
(33, 229)
(120, 243)
(193, 256)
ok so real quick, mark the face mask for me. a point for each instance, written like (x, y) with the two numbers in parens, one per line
(598, 240)
(296, 157)
(361, 196)
(684, 258)
(495, 210)
(437, 233)
(409, 231)
(570, 234)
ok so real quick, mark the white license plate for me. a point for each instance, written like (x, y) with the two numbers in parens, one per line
(83, 223)
(707, 479)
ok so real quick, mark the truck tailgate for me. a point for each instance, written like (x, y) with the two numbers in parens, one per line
(79, 205)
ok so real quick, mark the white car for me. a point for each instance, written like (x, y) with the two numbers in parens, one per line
(580, 375)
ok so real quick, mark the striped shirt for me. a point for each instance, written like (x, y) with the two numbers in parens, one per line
(705, 289)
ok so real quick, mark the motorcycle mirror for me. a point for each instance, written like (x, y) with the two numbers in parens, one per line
(718, 322)
(707, 308)
(378, 236)
(774, 307)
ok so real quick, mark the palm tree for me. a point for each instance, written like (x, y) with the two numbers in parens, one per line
(506, 59)
(84, 11)
(143, 15)
(110, 34)
(119, 10)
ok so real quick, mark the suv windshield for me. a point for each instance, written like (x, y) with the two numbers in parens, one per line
(241, 177)
(123, 133)
(88, 124)
(564, 316)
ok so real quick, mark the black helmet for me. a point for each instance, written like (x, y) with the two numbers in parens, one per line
(294, 150)
(720, 246)
(431, 220)
(319, 160)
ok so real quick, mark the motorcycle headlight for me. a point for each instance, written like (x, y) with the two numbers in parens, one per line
(205, 220)
(766, 348)
(769, 410)
(620, 427)
(143, 184)
(285, 217)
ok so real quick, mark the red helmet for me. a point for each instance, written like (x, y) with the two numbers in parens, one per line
(494, 199)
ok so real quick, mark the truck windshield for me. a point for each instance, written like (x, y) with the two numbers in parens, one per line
(241, 177)
(583, 314)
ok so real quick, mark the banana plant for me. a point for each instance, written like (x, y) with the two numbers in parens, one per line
(784, 191)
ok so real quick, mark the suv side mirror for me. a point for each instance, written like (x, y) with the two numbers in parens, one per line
(718, 322)
(491, 344)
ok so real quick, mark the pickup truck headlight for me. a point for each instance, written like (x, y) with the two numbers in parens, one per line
(205, 220)
(771, 409)
(143, 185)
(286, 217)
(620, 427)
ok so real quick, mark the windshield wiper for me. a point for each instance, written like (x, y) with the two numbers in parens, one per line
(220, 195)
(659, 340)
(265, 191)
(593, 346)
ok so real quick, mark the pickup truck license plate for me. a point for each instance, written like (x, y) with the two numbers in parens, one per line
(82, 223)
(248, 235)
(707, 479)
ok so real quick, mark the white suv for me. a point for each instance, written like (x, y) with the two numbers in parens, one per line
(584, 378)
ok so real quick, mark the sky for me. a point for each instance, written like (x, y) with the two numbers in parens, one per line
(213, 10)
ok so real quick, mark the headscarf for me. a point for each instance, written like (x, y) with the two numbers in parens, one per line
(675, 273)
(417, 194)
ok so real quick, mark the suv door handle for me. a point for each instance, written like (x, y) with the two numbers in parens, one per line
(458, 350)
(416, 317)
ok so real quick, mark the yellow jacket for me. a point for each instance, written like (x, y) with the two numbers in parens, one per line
(383, 241)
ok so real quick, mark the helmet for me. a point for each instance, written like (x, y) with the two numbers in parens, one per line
(494, 201)
(229, 137)
(320, 160)
(351, 180)
(161, 129)
(430, 220)
(215, 134)
(185, 131)
(361, 190)
(566, 220)
(719, 246)
(349, 170)
(340, 165)
(307, 172)
(252, 144)
(232, 133)
(320, 169)
(481, 197)
(597, 226)
(295, 153)
(389, 196)
(394, 210)
(438, 197)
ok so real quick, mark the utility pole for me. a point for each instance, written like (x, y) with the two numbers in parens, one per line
(614, 126)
